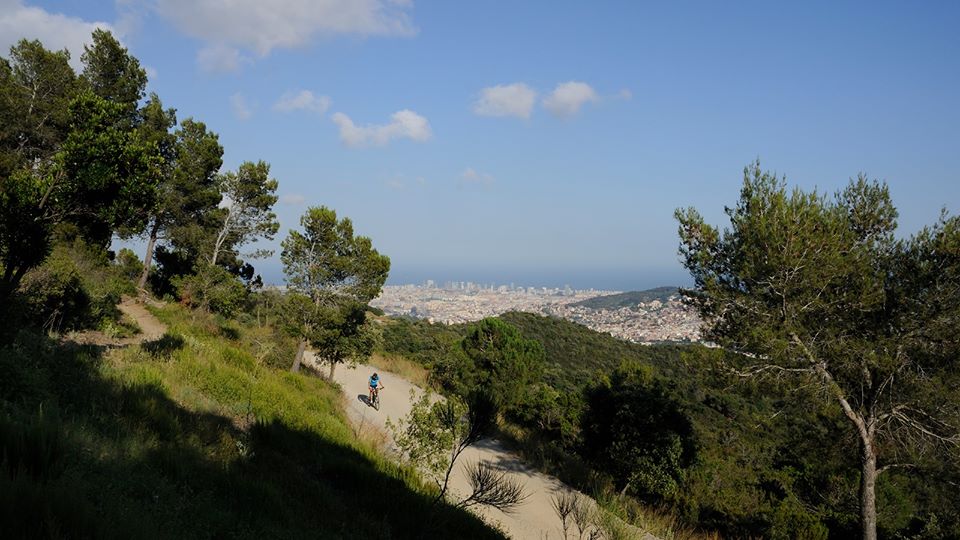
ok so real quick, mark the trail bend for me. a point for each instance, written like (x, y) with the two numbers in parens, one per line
(535, 518)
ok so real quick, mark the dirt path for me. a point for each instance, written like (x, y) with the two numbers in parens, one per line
(150, 328)
(533, 519)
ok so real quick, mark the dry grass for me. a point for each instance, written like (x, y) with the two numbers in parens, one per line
(403, 367)
(629, 518)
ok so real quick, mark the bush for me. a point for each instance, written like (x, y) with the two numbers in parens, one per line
(53, 294)
(211, 288)
(637, 433)
(129, 265)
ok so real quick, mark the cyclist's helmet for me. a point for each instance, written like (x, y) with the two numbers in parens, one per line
(375, 376)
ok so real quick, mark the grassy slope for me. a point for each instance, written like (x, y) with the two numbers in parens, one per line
(192, 437)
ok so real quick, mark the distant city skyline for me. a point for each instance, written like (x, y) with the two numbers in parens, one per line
(599, 278)
(542, 142)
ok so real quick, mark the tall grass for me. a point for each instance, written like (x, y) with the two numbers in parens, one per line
(399, 365)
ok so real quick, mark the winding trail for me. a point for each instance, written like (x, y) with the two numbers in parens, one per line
(535, 518)
(150, 328)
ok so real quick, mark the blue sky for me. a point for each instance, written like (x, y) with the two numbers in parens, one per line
(546, 142)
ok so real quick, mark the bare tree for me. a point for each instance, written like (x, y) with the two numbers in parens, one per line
(248, 213)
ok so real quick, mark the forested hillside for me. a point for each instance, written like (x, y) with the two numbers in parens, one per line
(672, 426)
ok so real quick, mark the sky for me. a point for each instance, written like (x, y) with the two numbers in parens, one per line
(545, 143)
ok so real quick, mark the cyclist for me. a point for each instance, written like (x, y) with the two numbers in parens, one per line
(375, 386)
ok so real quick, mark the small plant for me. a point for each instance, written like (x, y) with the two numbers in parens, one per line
(434, 435)
(564, 504)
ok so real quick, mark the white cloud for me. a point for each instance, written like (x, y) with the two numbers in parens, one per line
(401, 182)
(567, 98)
(303, 100)
(625, 94)
(54, 30)
(292, 199)
(396, 184)
(515, 99)
(151, 73)
(260, 27)
(470, 176)
(241, 109)
(220, 59)
(404, 124)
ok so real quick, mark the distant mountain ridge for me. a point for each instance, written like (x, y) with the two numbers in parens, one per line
(628, 299)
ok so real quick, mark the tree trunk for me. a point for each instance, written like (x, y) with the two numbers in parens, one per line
(10, 282)
(295, 368)
(148, 258)
(868, 482)
(623, 492)
(333, 365)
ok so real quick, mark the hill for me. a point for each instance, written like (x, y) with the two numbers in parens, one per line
(194, 435)
(576, 354)
(628, 299)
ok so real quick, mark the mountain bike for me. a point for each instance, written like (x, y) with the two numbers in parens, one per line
(375, 398)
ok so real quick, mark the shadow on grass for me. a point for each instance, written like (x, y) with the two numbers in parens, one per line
(165, 345)
(87, 457)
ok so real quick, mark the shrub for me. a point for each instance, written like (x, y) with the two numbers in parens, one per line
(128, 264)
(53, 294)
(211, 288)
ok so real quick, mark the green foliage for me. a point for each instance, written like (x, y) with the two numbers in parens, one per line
(24, 235)
(248, 216)
(791, 520)
(53, 294)
(427, 436)
(112, 73)
(211, 288)
(820, 289)
(575, 353)
(743, 457)
(635, 431)
(107, 174)
(128, 264)
(332, 275)
(75, 288)
(36, 87)
(435, 346)
(327, 262)
(66, 156)
(185, 217)
(502, 362)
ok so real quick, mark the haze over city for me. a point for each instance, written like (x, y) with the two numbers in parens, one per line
(513, 142)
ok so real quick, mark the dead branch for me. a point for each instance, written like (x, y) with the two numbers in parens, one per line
(492, 487)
